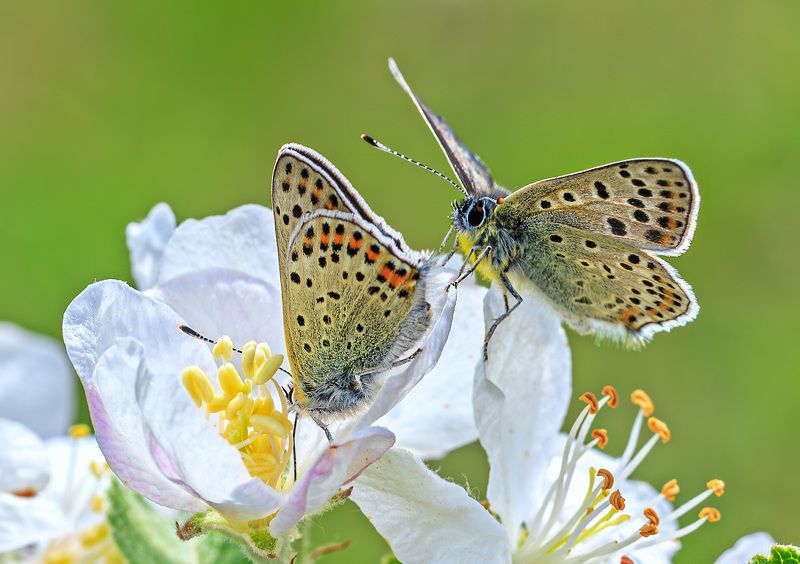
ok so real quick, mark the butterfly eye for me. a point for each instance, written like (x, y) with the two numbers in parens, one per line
(476, 215)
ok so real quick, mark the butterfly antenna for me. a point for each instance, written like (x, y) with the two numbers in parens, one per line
(378, 145)
(192, 333)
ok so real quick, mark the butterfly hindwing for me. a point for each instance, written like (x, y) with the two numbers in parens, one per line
(354, 303)
(467, 166)
(650, 203)
(600, 283)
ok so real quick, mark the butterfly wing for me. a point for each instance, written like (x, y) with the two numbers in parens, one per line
(649, 203)
(467, 166)
(599, 283)
(354, 303)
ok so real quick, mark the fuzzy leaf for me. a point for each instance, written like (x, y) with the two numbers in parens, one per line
(141, 534)
(779, 555)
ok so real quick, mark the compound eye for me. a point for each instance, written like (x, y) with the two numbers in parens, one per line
(476, 215)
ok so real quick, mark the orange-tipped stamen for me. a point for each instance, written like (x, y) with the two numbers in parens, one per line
(626, 560)
(601, 435)
(710, 514)
(651, 515)
(717, 486)
(648, 530)
(641, 399)
(617, 501)
(671, 489)
(591, 400)
(659, 428)
(611, 392)
(608, 478)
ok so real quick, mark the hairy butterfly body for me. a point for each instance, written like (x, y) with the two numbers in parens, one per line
(586, 242)
(353, 293)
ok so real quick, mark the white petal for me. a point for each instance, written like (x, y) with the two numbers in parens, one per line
(101, 316)
(146, 243)
(227, 302)
(436, 416)
(25, 521)
(747, 547)
(521, 398)
(425, 518)
(23, 459)
(338, 465)
(37, 385)
(243, 240)
(403, 379)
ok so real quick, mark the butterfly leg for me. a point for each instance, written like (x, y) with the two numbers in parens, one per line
(509, 288)
(322, 426)
(464, 272)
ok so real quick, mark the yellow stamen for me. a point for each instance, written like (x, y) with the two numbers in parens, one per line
(92, 536)
(98, 468)
(223, 348)
(671, 489)
(55, 556)
(591, 400)
(229, 380)
(268, 369)
(197, 384)
(717, 485)
(98, 503)
(641, 399)
(710, 514)
(249, 358)
(79, 431)
(659, 428)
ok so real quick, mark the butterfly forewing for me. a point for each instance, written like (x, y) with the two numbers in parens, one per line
(598, 282)
(651, 203)
(353, 303)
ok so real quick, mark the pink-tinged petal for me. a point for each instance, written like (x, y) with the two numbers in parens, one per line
(242, 240)
(339, 464)
(24, 466)
(425, 518)
(37, 384)
(26, 521)
(219, 302)
(120, 431)
(402, 380)
(747, 547)
(436, 416)
(521, 397)
(146, 243)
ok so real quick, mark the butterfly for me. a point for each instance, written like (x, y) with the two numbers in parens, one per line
(353, 292)
(586, 243)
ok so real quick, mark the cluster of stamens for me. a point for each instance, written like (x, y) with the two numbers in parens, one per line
(556, 532)
(244, 408)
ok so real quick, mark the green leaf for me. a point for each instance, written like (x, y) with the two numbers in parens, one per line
(217, 548)
(141, 533)
(781, 554)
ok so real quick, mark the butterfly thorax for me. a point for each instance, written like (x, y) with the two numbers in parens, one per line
(478, 227)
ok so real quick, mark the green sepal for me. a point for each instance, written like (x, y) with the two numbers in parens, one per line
(141, 533)
(219, 549)
(780, 554)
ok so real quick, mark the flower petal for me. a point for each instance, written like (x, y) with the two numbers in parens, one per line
(146, 243)
(425, 518)
(402, 380)
(339, 464)
(243, 240)
(219, 302)
(29, 520)
(747, 547)
(521, 397)
(23, 459)
(37, 386)
(436, 416)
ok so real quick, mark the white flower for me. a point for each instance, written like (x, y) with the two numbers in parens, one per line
(551, 498)
(37, 386)
(219, 276)
(747, 547)
(53, 510)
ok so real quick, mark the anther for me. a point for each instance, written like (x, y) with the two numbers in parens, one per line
(229, 380)
(617, 501)
(268, 369)
(196, 383)
(710, 514)
(223, 348)
(611, 392)
(717, 485)
(651, 515)
(98, 468)
(671, 489)
(79, 431)
(660, 428)
(648, 530)
(641, 399)
(608, 478)
(591, 400)
(249, 358)
(269, 425)
(626, 560)
(602, 437)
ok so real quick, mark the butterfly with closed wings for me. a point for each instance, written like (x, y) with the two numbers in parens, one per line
(586, 242)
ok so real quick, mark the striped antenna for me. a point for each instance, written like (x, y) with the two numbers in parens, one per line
(378, 145)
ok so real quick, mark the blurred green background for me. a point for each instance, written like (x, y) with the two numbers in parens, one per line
(107, 108)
